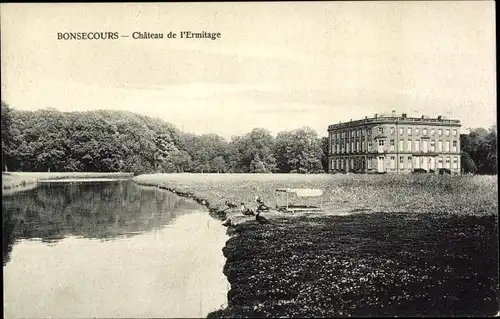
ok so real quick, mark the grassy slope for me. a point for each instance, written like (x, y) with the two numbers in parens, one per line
(395, 262)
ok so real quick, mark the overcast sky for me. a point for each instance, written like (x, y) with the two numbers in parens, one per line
(277, 65)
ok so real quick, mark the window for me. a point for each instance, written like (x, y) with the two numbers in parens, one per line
(380, 142)
(401, 131)
(454, 133)
(380, 130)
(424, 131)
(363, 146)
(352, 147)
(401, 159)
(432, 132)
(417, 146)
(447, 132)
(440, 163)
(447, 146)
(433, 145)
(417, 131)
(369, 131)
(393, 161)
(393, 130)
(440, 146)
(357, 146)
(353, 133)
(409, 131)
(447, 164)
(370, 146)
(454, 145)
(440, 132)
(408, 146)
(391, 145)
(401, 145)
(409, 162)
(338, 148)
(455, 163)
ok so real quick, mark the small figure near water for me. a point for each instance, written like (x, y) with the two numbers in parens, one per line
(230, 204)
(227, 222)
(261, 207)
(261, 219)
(245, 210)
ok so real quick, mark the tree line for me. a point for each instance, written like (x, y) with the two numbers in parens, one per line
(479, 151)
(112, 141)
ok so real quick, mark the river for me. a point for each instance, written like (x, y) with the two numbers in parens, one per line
(110, 249)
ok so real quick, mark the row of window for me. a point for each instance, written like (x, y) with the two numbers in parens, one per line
(410, 163)
(418, 131)
(392, 130)
(409, 146)
(426, 163)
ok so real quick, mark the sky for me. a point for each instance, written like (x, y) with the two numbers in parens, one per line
(277, 65)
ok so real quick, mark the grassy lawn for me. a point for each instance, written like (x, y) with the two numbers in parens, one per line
(411, 245)
(422, 193)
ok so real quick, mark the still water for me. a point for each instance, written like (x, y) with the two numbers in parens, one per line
(109, 249)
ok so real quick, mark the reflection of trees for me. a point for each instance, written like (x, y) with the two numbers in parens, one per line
(94, 210)
(8, 226)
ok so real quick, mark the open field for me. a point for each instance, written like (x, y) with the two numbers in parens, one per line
(420, 193)
(15, 181)
(386, 245)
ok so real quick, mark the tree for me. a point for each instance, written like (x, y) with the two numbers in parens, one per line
(481, 145)
(324, 158)
(219, 164)
(6, 132)
(258, 142)
(257, 166)
(299, 151)
(467, 163)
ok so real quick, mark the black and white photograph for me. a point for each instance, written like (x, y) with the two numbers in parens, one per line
(249, 159)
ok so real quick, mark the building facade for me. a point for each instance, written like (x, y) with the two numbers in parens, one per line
(394, 144)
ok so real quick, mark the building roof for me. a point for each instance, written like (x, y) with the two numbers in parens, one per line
(400, 119)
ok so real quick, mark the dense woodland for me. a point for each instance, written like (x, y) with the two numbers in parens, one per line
(111, 141)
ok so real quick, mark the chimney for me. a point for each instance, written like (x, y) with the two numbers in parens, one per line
(404, 115)
(376, 115)
(440, 117)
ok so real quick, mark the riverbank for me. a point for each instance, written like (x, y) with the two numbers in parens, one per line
(409, 245)
(18, 181)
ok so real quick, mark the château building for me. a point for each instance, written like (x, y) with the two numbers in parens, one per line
(394, 144)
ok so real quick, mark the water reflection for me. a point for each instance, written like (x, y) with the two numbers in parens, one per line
(104, 251)
(106, 210)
